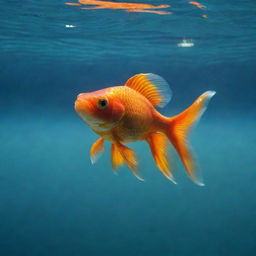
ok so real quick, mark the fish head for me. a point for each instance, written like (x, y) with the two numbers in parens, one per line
(100, 109)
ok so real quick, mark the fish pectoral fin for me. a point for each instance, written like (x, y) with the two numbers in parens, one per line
(96, 149)
(158, 144)
(121, 154)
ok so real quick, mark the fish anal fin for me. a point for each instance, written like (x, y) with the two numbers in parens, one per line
(158, 144)
(96, 149)
(151, 86)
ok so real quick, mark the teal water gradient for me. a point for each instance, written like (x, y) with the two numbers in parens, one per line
(54, 202)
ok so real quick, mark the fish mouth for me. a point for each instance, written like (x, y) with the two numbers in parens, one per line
(85, 110)
(78, 106)
(82, 105)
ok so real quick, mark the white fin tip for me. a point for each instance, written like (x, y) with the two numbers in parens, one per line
(93, 160)
(171, 179)
(210, 94)
(138, 177)
(201, 184)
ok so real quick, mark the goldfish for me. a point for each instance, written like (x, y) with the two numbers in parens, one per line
(127, 113)
(129, 7)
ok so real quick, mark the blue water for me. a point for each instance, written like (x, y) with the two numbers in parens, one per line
(54, 202)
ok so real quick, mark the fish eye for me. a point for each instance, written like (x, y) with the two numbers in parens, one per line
(102, 103)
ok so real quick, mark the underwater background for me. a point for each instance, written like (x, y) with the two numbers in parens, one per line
(53, 201)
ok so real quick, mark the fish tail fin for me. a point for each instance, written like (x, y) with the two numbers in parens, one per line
(177, 131)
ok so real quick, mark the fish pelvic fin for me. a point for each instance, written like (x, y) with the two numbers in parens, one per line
(158, 144)
(121, 154)
(116, 156)
(96, 150)
(177, 130)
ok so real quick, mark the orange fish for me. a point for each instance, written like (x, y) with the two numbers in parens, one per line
(127, 113)
(129, 7)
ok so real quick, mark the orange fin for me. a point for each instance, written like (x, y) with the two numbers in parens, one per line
(159, 147)
(96, 149)
(121, 154)
(151, 86)
(178, 129)
(116, 156)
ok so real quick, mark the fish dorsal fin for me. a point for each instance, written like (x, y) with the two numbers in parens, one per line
(151, 86)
